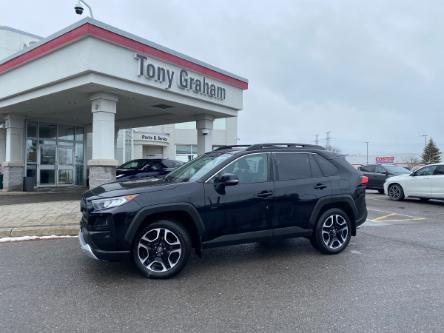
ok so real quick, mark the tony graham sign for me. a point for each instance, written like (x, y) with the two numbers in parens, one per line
(182, 78)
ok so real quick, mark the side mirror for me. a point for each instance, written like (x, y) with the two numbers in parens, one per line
(227, 179)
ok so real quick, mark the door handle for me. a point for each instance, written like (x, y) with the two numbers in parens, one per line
(264, 194)
(320, 186)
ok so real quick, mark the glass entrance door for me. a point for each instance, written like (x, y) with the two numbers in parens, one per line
(65, 167)
(55, 154)
(47, 165)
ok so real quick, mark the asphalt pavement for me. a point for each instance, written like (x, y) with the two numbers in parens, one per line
(390, 279)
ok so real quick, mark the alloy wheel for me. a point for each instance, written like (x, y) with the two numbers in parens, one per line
(334, 231)
(159, 250)
(394, 192)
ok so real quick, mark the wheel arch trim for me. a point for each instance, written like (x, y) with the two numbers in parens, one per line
(342, 199)
(141, 216)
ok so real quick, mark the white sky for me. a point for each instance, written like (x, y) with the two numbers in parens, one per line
(365, 71)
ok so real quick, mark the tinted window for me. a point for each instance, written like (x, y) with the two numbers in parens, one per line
(315, 169)
(249, 169)
(368, 168)
(168, 164)
(396, 170)
(328, 169)
(134, 164)
(292, 166)
(155, 166)
(426, 171)
(439, 171)
(380, 169)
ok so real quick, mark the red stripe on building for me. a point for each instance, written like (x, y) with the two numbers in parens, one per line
(98, 32)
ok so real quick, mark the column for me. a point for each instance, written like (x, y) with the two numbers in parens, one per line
(2, 144)
(102, 166)
(204, 126)
(14, 165)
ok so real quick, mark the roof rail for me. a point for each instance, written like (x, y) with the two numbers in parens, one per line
(283, 146)
(232, 146)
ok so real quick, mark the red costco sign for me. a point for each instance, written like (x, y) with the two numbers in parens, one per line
(385, 159)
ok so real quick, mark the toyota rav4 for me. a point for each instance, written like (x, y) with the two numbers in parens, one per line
(235, 194)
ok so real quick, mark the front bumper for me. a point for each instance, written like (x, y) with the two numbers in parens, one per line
(89, 248)
(86, 249)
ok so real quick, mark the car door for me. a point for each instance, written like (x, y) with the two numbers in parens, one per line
(299, 184)
(241, 212)
(379, 177)
(438, 182)
(420, 184)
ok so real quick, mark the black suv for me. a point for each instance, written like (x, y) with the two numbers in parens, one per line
(235, 194)
(378, 173)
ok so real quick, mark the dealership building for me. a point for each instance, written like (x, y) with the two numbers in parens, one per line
(76, 104)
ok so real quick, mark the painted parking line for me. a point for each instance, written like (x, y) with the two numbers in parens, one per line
(393, 217)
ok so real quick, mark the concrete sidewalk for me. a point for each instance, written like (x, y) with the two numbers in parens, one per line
(38, 215)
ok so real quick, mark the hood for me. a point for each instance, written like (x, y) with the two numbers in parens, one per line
(130, 187)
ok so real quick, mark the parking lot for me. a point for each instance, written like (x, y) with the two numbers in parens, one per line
(390, 279)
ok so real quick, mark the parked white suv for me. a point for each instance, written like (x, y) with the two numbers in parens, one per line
(424, 183)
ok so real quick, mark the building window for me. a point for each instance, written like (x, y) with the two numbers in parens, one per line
(186, 153)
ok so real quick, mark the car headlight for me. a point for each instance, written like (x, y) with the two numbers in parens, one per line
(101, 204)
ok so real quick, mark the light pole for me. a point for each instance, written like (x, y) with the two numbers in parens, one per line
(367, 142)
(425, 139)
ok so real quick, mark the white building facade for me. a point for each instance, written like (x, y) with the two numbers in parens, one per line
(78, 103)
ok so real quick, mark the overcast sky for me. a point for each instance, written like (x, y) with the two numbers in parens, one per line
(363, 70)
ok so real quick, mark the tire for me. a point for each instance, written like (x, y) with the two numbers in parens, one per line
(161, 249)
(381, 191)
(332, 232)
(395, 192)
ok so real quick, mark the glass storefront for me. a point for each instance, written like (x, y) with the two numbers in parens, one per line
(55, 154)
(186, 153)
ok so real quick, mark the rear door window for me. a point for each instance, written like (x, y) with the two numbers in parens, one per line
(380, 169)
(291, 166)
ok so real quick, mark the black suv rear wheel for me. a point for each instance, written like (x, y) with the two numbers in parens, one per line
(332, 232)
(162, 249)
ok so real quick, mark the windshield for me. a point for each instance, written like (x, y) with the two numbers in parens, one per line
(134, 164)
(197, 168)
(396, 170)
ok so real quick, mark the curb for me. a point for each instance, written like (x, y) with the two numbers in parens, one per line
(57, 230)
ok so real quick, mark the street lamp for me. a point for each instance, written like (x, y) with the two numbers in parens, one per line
(425, 139)
(367, 142)
(79, 8)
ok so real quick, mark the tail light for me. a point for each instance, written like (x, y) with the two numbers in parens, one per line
(364, 180)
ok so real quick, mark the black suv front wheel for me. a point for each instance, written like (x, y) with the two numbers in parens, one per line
(332, 232)
(162, 249)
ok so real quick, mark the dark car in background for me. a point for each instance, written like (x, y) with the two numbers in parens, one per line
(145, 168)
(378, 173)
